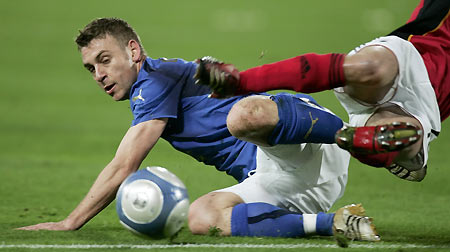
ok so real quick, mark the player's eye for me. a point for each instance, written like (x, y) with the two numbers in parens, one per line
(106, 60)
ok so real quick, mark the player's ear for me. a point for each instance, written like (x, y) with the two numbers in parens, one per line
(135, 49)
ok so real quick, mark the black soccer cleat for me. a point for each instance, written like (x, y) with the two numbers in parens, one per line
(223, 79)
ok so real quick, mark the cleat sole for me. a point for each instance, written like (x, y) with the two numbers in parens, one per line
(378, 139)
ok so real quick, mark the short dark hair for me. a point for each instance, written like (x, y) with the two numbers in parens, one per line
(99, 28)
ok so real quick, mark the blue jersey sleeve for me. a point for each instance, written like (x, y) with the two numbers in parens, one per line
(157, 91)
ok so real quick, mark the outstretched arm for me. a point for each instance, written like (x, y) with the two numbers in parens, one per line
(135, 146)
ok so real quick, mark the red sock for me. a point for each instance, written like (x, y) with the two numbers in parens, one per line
(307, 73)
(377, 160)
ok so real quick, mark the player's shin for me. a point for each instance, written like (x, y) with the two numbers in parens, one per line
(262, 219)
(302, 121)
(307, 73)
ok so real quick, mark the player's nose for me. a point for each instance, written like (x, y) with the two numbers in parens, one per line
(100, 75)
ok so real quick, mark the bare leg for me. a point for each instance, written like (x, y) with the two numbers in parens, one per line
(370, 73)
(253, 119)
(212, 210)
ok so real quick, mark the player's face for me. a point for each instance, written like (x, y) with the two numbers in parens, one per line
(111, 65)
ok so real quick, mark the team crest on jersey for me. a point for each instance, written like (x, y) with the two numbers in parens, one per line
(139, 96)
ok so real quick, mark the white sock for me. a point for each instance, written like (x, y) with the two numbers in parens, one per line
(309, 223)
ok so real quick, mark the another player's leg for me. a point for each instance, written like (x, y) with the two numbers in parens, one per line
(409, 162)
(263, 219)
(368, 76)
(373, 68)
(307, 73)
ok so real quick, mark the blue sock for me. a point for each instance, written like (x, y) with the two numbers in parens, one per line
(303, 122)
(324, 224)
(262, 219)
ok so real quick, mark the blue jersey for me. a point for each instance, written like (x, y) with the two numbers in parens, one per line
(197, 124)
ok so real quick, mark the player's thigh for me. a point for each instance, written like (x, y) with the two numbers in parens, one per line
(294, 193)
(252, 189)
(306, 178)
(288, 191)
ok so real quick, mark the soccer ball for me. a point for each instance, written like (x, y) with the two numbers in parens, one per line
(153, 202)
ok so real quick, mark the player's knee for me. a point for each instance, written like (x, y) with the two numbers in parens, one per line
(252, 117)
(365, 72)
(202, 216)
(373, 66)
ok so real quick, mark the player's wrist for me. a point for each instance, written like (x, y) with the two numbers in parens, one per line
(71, 223)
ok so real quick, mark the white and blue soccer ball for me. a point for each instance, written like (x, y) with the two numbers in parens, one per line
(153, 202)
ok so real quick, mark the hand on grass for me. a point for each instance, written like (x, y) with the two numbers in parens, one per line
(54, 226)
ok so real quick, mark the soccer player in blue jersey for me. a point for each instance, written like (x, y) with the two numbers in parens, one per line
(293, 181)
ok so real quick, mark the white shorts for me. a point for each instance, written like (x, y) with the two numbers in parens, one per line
(306, 178)
(412, 91)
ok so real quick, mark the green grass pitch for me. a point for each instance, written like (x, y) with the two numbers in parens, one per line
(58, 130)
